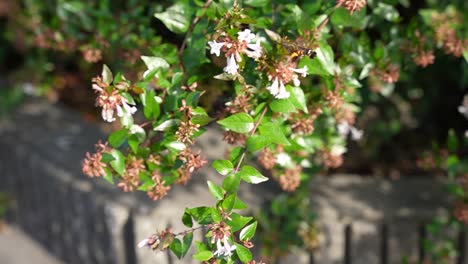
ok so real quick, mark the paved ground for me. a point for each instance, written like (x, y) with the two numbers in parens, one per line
(17, 248)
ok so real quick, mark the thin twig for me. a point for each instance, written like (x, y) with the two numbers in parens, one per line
(252, 132)
(189, 230)
(325, 21)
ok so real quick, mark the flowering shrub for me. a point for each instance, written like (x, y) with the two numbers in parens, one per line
(290, 123)
(290, 76)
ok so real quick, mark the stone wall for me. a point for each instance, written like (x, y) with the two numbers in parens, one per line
(81, 220)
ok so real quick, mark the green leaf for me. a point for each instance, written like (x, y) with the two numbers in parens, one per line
(216, 191)
(314, 66)
(107, 76)
(229, 202)
(273, 133)
(187, 242)
(168, 124)
(203, 255)
(238, 221)
(235, 154)
(342, 17)
(216, 215)
(257, 3)
(201, 214)
(117, 138)
(325, 56)
(240, 123)
(201, 119)
(298, 99)
(223, 167)
(176, 18)
(175, 145)
(239, 204)
(251, 175)
(108, 175)
(282, 106)
(107, 157)
(257, 142)
(452, 141)
(126, 121)
(243, 253)
(176, 248)
(154, 63)
(194, 56)
(118, 164)
(248, 232)
(133, 142)
(387, 12)
(139, 132)
(187, 219)
(231, 183)
(192, 100)
(151, 106)
(145, 186)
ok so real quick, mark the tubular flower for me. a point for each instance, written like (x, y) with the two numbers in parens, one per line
(224, 250)
(283, 73)
(233, 48)
(125, 109)
(278, 90)
(112, 101)
(215, 47)
(231, 67)
(344, 129)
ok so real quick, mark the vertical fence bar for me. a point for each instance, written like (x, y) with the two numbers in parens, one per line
(422, 235)
(348, 232)
(461, 246)
(384, 244)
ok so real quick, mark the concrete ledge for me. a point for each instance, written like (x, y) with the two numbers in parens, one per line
(89, 221)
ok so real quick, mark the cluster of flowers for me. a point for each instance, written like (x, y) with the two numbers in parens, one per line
(249, 44)
(112, 97)
(111, 100)
(246, 43)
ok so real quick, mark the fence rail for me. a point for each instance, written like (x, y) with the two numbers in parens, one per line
(364, 220)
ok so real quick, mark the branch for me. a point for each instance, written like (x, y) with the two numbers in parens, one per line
(183, 233)
(244, 153)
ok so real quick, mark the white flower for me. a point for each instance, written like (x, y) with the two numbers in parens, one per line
(274, 88)
(337, 150)
(283, 159)
(466, 133)
(245, 35)
(356, 134)
(343, 129)
(282, 94)
(302, 71)
(143, 243)
(278, 90)
(231, 67)
(296, 81)
(254, 50)
(108, 115)
(238, 57)
(224, 250)
(462, 109)
(126, 110)
(215, 48)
